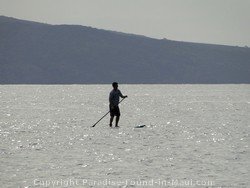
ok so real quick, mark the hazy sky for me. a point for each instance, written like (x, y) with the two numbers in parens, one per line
(205, 21)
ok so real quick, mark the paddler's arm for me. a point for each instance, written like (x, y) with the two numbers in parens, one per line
(121, 95)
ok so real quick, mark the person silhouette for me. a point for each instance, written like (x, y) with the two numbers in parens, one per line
(114, 98)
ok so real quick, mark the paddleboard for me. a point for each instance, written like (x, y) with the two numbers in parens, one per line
(115, 127)
(140, 126)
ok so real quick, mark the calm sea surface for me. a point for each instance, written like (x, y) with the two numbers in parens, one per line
(195, 136)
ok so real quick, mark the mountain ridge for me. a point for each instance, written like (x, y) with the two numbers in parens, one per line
(40, 53)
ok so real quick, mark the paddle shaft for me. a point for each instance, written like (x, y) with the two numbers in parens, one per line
(105, 115)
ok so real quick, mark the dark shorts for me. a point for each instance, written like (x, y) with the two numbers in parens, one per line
(115, 111)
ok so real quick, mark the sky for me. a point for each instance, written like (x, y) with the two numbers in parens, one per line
(224, 22)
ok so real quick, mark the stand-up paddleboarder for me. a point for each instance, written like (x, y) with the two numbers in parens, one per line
(114, 98)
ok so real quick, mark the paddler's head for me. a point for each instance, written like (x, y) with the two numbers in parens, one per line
(115, 85)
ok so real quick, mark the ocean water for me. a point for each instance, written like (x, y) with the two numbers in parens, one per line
(195, 136)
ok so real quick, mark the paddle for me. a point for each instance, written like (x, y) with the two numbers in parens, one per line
(105, 115)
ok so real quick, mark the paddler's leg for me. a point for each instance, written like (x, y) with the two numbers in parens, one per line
(111, 121)
(117, 120)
